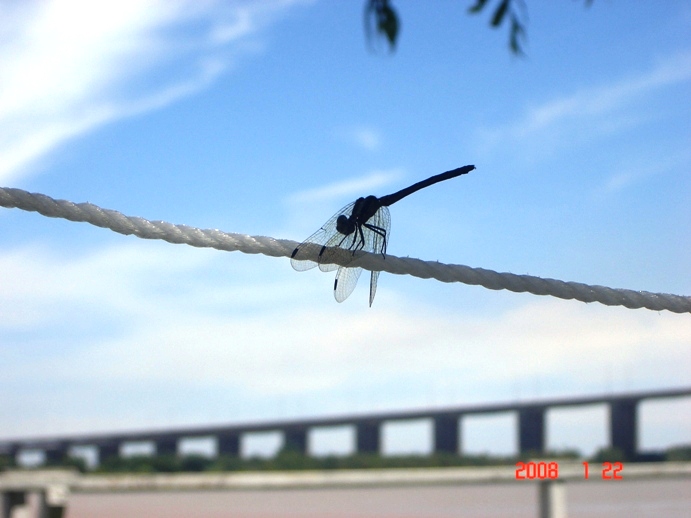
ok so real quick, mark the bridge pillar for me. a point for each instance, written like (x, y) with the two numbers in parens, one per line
(167, 447)
(8, 452)
(295, 440)
(531, 430)
(623, 417)
(445, 434)
(228, 445)
(367, 437)
(52, 502)
(55, 455)
(9, 500)
(106, 451)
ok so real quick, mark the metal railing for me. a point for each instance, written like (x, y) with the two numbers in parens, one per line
(55, 486)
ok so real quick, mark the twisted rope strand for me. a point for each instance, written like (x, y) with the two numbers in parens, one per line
(212, 238)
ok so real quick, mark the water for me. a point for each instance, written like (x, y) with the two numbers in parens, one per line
(670, 498)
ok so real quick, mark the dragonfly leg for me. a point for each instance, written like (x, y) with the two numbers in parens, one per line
(361, 243)
(380, 231)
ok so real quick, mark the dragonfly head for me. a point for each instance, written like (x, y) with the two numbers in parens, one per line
(344, 225)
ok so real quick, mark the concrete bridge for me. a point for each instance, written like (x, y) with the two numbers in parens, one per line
(623, 428)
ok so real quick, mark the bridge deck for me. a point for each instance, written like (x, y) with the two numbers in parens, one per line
(10, 445)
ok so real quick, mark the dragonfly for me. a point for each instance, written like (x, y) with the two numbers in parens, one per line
(362, 225)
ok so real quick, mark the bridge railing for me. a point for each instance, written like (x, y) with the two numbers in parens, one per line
(55, 486)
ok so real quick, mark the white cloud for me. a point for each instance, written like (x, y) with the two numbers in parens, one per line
(355, 187)
(180, 329)
(65, 65)
(150, 318)
(603, 100)
(633, 171)
(365, 137)
(602, 109)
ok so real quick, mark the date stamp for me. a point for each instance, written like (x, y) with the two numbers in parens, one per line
(550, 470)
(537, 470)
(610, 470)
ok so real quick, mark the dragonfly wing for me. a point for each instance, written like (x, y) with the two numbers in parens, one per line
(373, 286)
(308, 253)
(299, 258)
(338, 250)
(346, 280)
(379, 228)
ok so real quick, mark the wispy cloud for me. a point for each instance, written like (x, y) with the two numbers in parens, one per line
(67, 67)
(602, 109)
(187, 336)
(365, 137)
(114, 317)
(603, 100)
(353, 187)
(632, 172)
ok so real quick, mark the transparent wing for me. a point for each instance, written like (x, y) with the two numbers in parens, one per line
(298, 259)
(374, 239)
(373, 286)
(304, 255)
(379, 227)
(338, 249)
(346, 280)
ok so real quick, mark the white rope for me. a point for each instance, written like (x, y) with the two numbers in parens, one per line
(183, 234)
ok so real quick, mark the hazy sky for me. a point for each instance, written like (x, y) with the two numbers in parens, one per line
(266, 117)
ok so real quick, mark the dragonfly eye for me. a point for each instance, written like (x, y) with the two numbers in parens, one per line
(344, 225)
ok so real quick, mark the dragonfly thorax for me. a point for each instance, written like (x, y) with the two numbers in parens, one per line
(363, 210)
(345, 225)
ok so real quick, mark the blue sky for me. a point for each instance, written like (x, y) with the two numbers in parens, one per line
(265, 118)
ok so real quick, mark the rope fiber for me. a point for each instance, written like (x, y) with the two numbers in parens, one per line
(211, 238)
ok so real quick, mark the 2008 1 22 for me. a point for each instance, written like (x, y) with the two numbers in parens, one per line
(550, 470)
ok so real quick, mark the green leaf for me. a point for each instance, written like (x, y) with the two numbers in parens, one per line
(500, 13)
(517, 33)
(477, 7)
(382, 18)
(388, 24)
